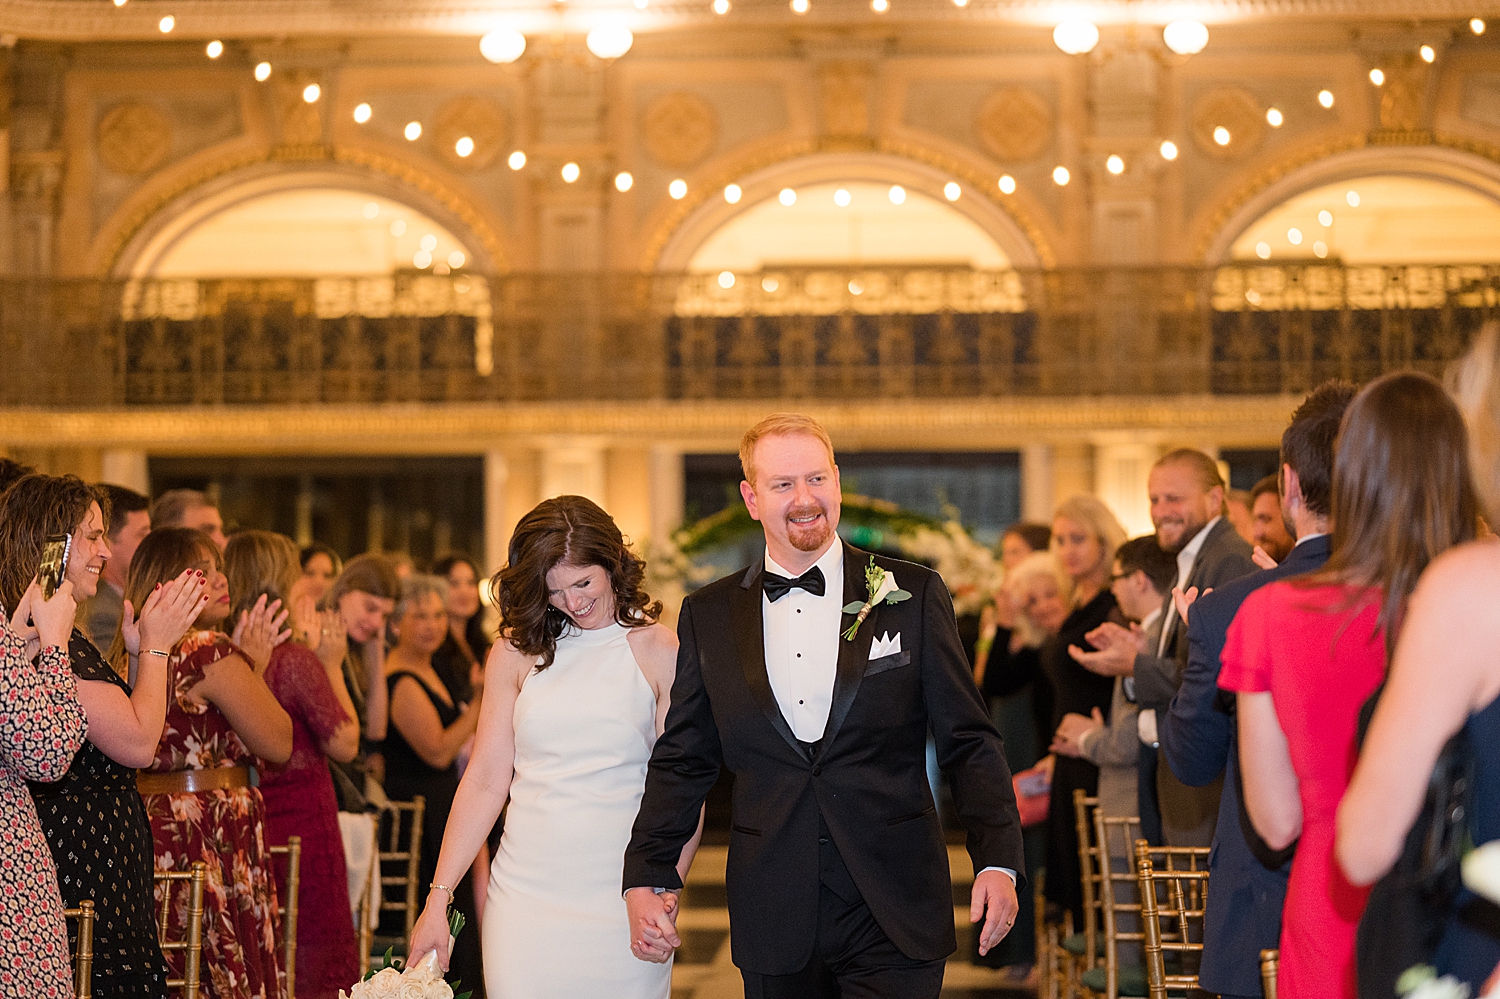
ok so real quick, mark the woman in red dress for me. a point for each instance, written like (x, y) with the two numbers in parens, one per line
(1304, 655)
(198, 795)
(299, 795)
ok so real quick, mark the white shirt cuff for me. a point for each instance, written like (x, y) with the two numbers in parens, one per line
(1145, 727)
(1007, 870)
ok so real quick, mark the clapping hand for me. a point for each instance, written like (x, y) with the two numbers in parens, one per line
(260, 630)
(42, 622)
(166, 615)
(1116, 648)
(653, 924)
(1068, 739)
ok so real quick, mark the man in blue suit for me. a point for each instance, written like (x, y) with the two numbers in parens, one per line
(1199, 736)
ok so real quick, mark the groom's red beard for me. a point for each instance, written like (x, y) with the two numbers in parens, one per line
(811, 536)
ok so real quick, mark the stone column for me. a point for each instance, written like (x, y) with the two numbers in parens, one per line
(667, 497)
(1122, 464)
(574, 467)
(496, 525)
(126, 468)
(1037, 483)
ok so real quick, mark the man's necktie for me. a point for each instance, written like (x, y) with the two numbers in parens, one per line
(777, 587)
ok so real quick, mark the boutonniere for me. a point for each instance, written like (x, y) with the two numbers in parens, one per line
(883, 587)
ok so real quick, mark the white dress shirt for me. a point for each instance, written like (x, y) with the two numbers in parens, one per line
(1146, 720)
(802, 645)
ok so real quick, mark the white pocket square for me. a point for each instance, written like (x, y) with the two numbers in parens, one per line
(885, 645)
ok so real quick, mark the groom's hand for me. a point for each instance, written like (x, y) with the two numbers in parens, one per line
(994, 900)
(653, 924)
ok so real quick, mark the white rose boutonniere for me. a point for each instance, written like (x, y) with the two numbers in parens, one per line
(883, 588)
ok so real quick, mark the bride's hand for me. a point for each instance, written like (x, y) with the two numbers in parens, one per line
(431, 931)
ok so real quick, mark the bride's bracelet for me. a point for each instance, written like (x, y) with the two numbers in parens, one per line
(437, 887)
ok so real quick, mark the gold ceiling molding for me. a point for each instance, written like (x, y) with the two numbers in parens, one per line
(133, 138)
(458, 429)
(1015, 124)
(119, 230)
(1234, 109)
(97, 20)
(679, 129)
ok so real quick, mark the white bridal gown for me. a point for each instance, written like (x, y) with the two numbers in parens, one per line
(555, 923)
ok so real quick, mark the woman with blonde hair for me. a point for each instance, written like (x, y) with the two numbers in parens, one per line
(309, 685)
(1085, 537)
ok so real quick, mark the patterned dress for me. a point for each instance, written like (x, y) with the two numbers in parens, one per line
(300, 802)
(41, 727)
(101, 843)
(223, 828)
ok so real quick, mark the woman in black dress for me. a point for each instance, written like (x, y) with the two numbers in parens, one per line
(93, 817)
(428, 727)
(1085, 536)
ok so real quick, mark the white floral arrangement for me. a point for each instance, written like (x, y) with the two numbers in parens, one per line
(971, 571)
(422, 980)
(1481, 873)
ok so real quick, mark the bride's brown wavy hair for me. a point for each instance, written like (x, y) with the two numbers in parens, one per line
(572, 531)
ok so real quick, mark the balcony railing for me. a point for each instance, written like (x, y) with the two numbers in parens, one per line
(834, 334)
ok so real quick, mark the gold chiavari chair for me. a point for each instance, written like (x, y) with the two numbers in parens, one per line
(1270, 963)
(1081, 951)
(1121, 974)
(399, 817)
(83, 954)
(1174, 887)
(192, 944)
(1047, 944)
(288, 910)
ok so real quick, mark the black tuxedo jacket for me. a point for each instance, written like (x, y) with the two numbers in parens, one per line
(868, 779)
(1199, 739)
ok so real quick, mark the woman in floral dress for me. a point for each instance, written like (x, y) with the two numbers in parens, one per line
(220, 717)
(41, 727)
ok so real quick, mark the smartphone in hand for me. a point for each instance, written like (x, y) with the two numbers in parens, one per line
(54, 563)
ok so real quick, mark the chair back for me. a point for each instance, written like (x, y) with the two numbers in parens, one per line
(83, 953)
(399, 845)
(1088, 862)
(1119, 898)
(192, 943)
(1270, 963)
(288, 909)
(1173, 883)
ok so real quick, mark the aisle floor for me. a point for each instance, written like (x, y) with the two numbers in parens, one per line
(703, 969)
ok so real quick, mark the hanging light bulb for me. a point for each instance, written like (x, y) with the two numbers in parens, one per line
(1325, 98)
(1115, 164)
(1168, 149)
(166, 24)
(1007, 184)
(311, 93)
(1274, 118)
(623, 182)
(361, 113)
(732, 194)
(262, 72)
(1377, 76)
(215, 49)
(413, 131)
(677, 189)
(1185, 37)
(609, 41)
(502, 45)
(1076, 37)
(516, 160)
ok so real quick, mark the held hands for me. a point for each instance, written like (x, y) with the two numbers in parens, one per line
(1117, 648)
(1068, 739)
(993, 900)
(431, 930)
(260, 630)
(45, 622)
(653, 924)
(166, 615)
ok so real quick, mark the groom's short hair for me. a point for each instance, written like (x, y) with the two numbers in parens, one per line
(775, 425)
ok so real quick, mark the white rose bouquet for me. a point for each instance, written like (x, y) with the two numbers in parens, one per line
(421, 980)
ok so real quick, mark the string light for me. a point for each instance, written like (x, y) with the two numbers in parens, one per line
(166, 24)
(1353, 198)
(1325, 98)
(516, 160)
(1263, 250)
(1168, 149)
(1476, 25)
(1061, 176)
(677, 189)
(880, 6)
(1075, 37)
(1185, 37)
(1427, 52)
(769, 285)
(726, 280)
(1320, 249)
(262, 72)
(570, 172)
(1221, 135)
(1115, 164)
(801, 6)
(1377, 77)
(502, 45)
(428, 242)
(1007, 184)
(1325, 218)
(787, 197)
(361, 113)
(609, 41)
(121, 3)
(951, 191)
(721, 6)
(464, 147)
(456, 259)
(897, 194)
(311, 93)
(842, 198)
(623, 182)
(215, 49)
(413, 131)
(733, 193)
(1274, 118)
(1294, 236)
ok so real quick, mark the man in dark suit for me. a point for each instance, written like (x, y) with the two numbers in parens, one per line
(1187, 507)
(838, 880)
(1198, 734)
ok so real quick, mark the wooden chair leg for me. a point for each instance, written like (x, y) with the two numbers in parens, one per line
(1270, 962)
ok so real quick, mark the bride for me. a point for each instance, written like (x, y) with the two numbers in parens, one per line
(576, 693)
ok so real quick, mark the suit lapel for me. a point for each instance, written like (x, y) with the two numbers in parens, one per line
(852, 655)
(750, 643)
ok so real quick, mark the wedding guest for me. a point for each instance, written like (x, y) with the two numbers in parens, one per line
(1269, 530)
(40, 730)
(321, 565)
(1005, 666)
(191, 509)
(1304, 654)
(1199, 736)
(11, 471)
(427, 729)
(364, 595)
(198, 790)
(309, 685)
(92, 815)
(1187, 509)
(1239, 507)
(1429, 697)
(1085, 537)
(460, 659)
(99, 615)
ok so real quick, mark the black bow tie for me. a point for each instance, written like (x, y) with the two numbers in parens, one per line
(777, 587)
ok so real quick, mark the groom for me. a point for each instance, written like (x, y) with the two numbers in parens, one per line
(838, 877)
